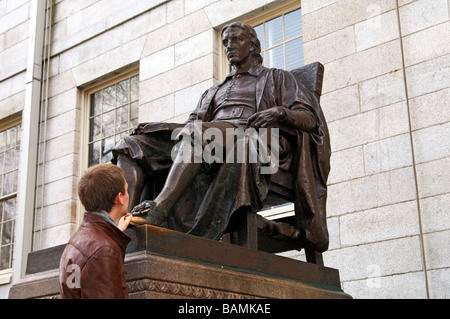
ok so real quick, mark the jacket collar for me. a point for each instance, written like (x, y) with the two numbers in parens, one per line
(103, 215)
(91, 220)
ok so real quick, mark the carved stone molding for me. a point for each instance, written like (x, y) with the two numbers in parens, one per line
(184, 291)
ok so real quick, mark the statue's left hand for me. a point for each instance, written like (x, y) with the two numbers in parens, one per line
(266, 118)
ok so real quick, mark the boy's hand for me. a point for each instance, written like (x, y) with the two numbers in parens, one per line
(124, 222)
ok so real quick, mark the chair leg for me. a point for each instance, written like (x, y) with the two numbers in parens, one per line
(312, 256)
(247, 233)
(252, 231)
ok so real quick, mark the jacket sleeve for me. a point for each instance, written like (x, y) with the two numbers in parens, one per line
(103, 276)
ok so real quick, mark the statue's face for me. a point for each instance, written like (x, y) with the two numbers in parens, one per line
(236, 45)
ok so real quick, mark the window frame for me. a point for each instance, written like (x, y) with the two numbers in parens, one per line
(85, 125)
(5, 124)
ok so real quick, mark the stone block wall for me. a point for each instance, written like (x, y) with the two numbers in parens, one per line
(14, 30)
(14, 42)
(385, 97)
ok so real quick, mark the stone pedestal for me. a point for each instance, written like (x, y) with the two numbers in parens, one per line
(161, 263)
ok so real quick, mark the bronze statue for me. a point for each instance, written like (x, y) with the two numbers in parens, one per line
(202, 197)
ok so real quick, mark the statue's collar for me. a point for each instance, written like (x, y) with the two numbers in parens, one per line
(253, 70)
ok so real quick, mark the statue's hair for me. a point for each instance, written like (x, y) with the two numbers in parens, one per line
(251, 33)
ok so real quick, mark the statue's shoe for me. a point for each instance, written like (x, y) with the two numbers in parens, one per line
(146, 213)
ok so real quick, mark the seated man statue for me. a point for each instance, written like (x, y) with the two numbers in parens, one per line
(200, 197)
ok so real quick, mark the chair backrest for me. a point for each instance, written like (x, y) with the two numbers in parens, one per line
(311, 76)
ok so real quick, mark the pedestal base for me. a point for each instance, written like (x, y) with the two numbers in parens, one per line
(161, 263)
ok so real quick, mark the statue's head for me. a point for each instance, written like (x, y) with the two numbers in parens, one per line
(250, 35)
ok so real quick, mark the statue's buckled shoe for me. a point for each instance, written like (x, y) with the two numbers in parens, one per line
(143, 208)
(146, 214)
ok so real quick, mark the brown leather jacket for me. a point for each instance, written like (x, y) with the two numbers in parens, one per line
(92, 264)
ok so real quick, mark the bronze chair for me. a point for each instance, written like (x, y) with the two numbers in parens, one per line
(274, 236)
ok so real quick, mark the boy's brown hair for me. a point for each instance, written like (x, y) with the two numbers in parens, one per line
(99, 187)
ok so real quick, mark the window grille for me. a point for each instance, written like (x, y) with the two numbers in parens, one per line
(10, 139)
(113, 113)
(282, 41)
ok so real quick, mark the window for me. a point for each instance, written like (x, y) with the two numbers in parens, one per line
(10, 138)
(113, 113)
(282, 41)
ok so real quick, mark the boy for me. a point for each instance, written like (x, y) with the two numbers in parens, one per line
(92, 264)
